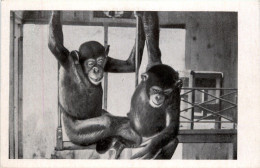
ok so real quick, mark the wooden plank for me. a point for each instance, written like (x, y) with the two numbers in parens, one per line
(20, 93)
(185, 136)
(207, 136)
(105, 74)
(235, 147)
(16, 100)
(11, 89)
(137, 33)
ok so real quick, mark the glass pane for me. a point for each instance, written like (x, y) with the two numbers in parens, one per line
(40, 85)
(40, 93)
(120, 86)
(172, 46)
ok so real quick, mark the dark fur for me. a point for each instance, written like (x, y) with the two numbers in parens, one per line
(81, 101)
(145, 119)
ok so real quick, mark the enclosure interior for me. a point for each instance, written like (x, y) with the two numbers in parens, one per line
(189, 41)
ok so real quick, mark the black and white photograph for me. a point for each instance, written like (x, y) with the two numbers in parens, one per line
(112, 84)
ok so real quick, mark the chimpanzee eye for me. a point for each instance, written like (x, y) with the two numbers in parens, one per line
(100, 61)
(90, 63)
(155, 91)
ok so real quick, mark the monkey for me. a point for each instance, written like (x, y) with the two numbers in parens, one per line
(80, 94)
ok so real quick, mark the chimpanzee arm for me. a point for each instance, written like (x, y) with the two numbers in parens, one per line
(55, 42)
(152, 33)
(115, 65)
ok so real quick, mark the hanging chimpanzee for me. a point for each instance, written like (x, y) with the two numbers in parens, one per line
(81, 92)
(155, 104)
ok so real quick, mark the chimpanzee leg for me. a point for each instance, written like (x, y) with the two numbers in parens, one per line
(168, 150)
(93, 130)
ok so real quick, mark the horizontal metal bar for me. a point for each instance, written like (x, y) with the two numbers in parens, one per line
(217, 112)
(186, 92)
(207, 131)
(208, 101)
(210, 111)
(217, 97)
(206, 122)
(185, 118)
(205, 88)
(184, 136)
(207, 136)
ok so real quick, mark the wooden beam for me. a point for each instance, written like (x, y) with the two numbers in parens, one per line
(11, 91)
(207, 136)
(20, 93)
(105, 74)
(185, 136)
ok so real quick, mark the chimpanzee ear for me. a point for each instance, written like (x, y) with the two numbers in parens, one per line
(107, 49)
(75, 55)
(144, 76)
(178, 83)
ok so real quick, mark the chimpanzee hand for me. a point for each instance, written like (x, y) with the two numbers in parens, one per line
(138, 13)
(151, 149)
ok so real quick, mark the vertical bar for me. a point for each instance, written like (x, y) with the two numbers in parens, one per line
(235, 147)
(192, 100)
(189, 115)
(137, 51)
(105, 75)
(15, 99)
(235, 114)
(20, 93)
(59, 112)
(11, 91)
(218, 94)
(192, 110)
(59, 136)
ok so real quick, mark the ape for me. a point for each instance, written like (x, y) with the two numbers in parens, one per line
(155, 108)
(155, 104)
(81, 92)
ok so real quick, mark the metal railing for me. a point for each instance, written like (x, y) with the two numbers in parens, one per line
(190, 105)
(208, 105)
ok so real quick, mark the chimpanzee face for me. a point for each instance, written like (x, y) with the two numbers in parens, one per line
(160, 81)
(158, 96)
(94, 69)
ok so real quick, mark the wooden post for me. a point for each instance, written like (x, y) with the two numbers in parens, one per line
(20, 93)
(59, 135)
(15, 92)
(218, 94)
(105, 74)
(192, 99)
(137, 51)
(11, 91)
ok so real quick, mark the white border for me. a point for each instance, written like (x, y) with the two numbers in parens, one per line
(248, 78)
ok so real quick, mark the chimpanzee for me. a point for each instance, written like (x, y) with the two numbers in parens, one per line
(155, 104)
(81, 92)
(155, 109)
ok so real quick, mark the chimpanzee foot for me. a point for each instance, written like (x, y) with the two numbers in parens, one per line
(128, 136)
(104, 145)
(119, 147)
